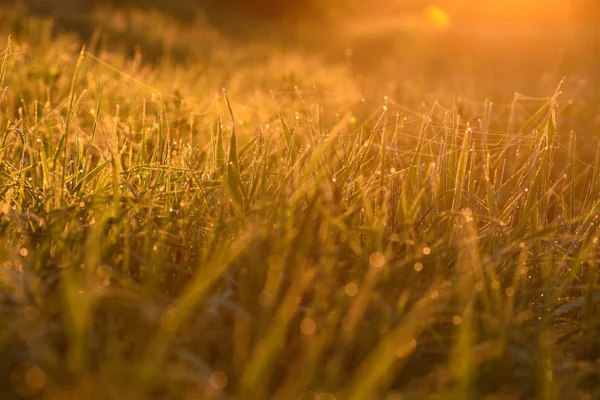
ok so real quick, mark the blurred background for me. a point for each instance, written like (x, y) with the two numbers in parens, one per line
(515, 24)
(401, 48)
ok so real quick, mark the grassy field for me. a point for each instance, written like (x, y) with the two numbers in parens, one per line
(357, 215)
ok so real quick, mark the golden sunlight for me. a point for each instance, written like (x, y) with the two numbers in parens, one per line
(515, 12)
(437, 17)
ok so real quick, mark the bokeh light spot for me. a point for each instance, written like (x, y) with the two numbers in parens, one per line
(308, 326)
(351, 289)
(377, 260)
(218, 380)
(35, 378)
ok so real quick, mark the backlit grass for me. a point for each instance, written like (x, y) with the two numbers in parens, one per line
(284, 237)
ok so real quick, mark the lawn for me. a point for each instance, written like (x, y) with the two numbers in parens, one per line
(403, 207)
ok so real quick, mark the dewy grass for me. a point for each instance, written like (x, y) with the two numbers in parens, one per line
(158, 244)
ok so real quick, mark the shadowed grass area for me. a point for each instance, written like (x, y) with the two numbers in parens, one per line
(260, 223)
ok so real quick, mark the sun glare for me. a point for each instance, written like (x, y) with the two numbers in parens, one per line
(437, 17)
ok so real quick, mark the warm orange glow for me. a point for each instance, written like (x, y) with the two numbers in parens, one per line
(437, 17)
(507, 13)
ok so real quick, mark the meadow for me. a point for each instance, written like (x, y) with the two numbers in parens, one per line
(328, 213)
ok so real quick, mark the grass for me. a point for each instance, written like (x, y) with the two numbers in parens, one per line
(165, 238)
